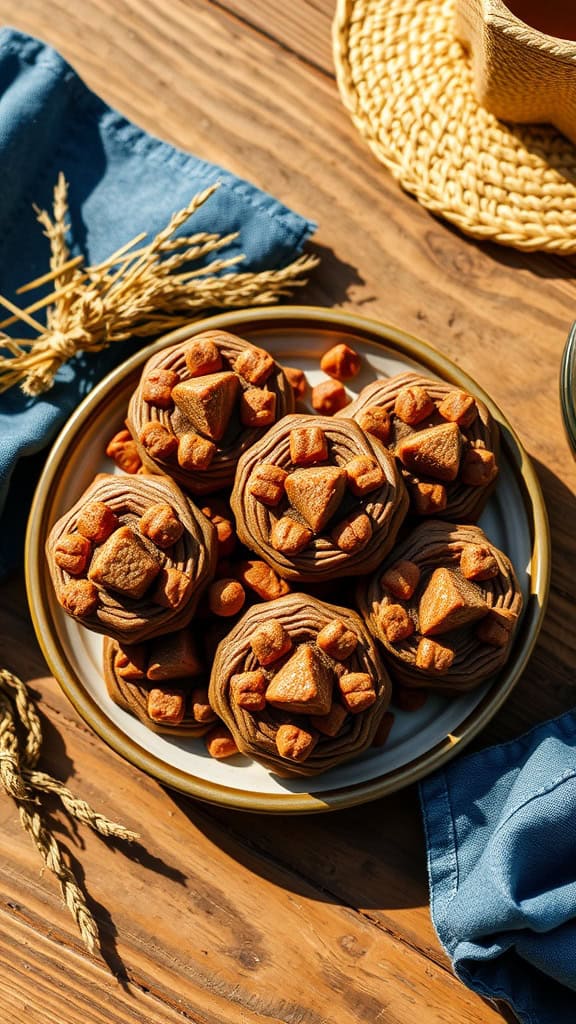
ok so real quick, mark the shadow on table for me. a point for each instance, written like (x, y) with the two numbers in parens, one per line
(546, 265)
(560, 503)
(551, 266)
(330, 284)
(371, 856)
(71, 838)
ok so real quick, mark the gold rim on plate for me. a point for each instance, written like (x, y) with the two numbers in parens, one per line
(300, 318)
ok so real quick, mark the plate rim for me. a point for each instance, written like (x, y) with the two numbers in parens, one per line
(376, 332)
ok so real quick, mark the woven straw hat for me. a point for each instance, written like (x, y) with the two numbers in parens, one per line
(409, 87)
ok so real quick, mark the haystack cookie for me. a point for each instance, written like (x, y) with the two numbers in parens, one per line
(160, 682)
(201, 403)
(445, 606)
(318, 499)
(445, 440)
(131, 558)
(300, 685)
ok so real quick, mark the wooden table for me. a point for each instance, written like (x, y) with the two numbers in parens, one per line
(221, 916)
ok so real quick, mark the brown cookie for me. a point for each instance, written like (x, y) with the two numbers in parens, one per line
(161, 682)
(143, 573)
(445, 440)
(443, 624)
(203, 402)
(318, 499)
(300, 685)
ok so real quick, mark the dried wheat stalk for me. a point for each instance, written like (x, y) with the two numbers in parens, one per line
(139, 291)
(20, 748)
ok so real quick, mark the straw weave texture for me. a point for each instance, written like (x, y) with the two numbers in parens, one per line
(408, 85)
(520, 74)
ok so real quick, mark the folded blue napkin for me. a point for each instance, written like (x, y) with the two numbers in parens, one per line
(122, 181)
(501, 835)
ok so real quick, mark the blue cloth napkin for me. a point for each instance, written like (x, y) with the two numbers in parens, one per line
(501, 835)
(122, 181)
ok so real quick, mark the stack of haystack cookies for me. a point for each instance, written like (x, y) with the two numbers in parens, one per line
(274, 580)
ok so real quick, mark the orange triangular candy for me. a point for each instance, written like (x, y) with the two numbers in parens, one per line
(303, 685)
(208, 402)
(316, 493)
(449, 601)
(433, 452)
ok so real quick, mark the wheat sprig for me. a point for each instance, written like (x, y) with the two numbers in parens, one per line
(20, 749)
(138, 291)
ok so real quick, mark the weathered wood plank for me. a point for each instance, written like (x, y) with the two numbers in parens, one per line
(198, 918)
(304, 27)
(39, 981)
(250, 86)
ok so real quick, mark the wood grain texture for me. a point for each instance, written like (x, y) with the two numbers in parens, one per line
(303, 28)
(199, 919)
(221, 916)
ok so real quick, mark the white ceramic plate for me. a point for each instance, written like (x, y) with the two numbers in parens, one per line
(515, 520)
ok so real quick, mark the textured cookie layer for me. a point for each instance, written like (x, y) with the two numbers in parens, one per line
(132, 556)
(300, 685)
(447, 443)
(318, 499)
(161, 683)
(444, 606)
(201, 403)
